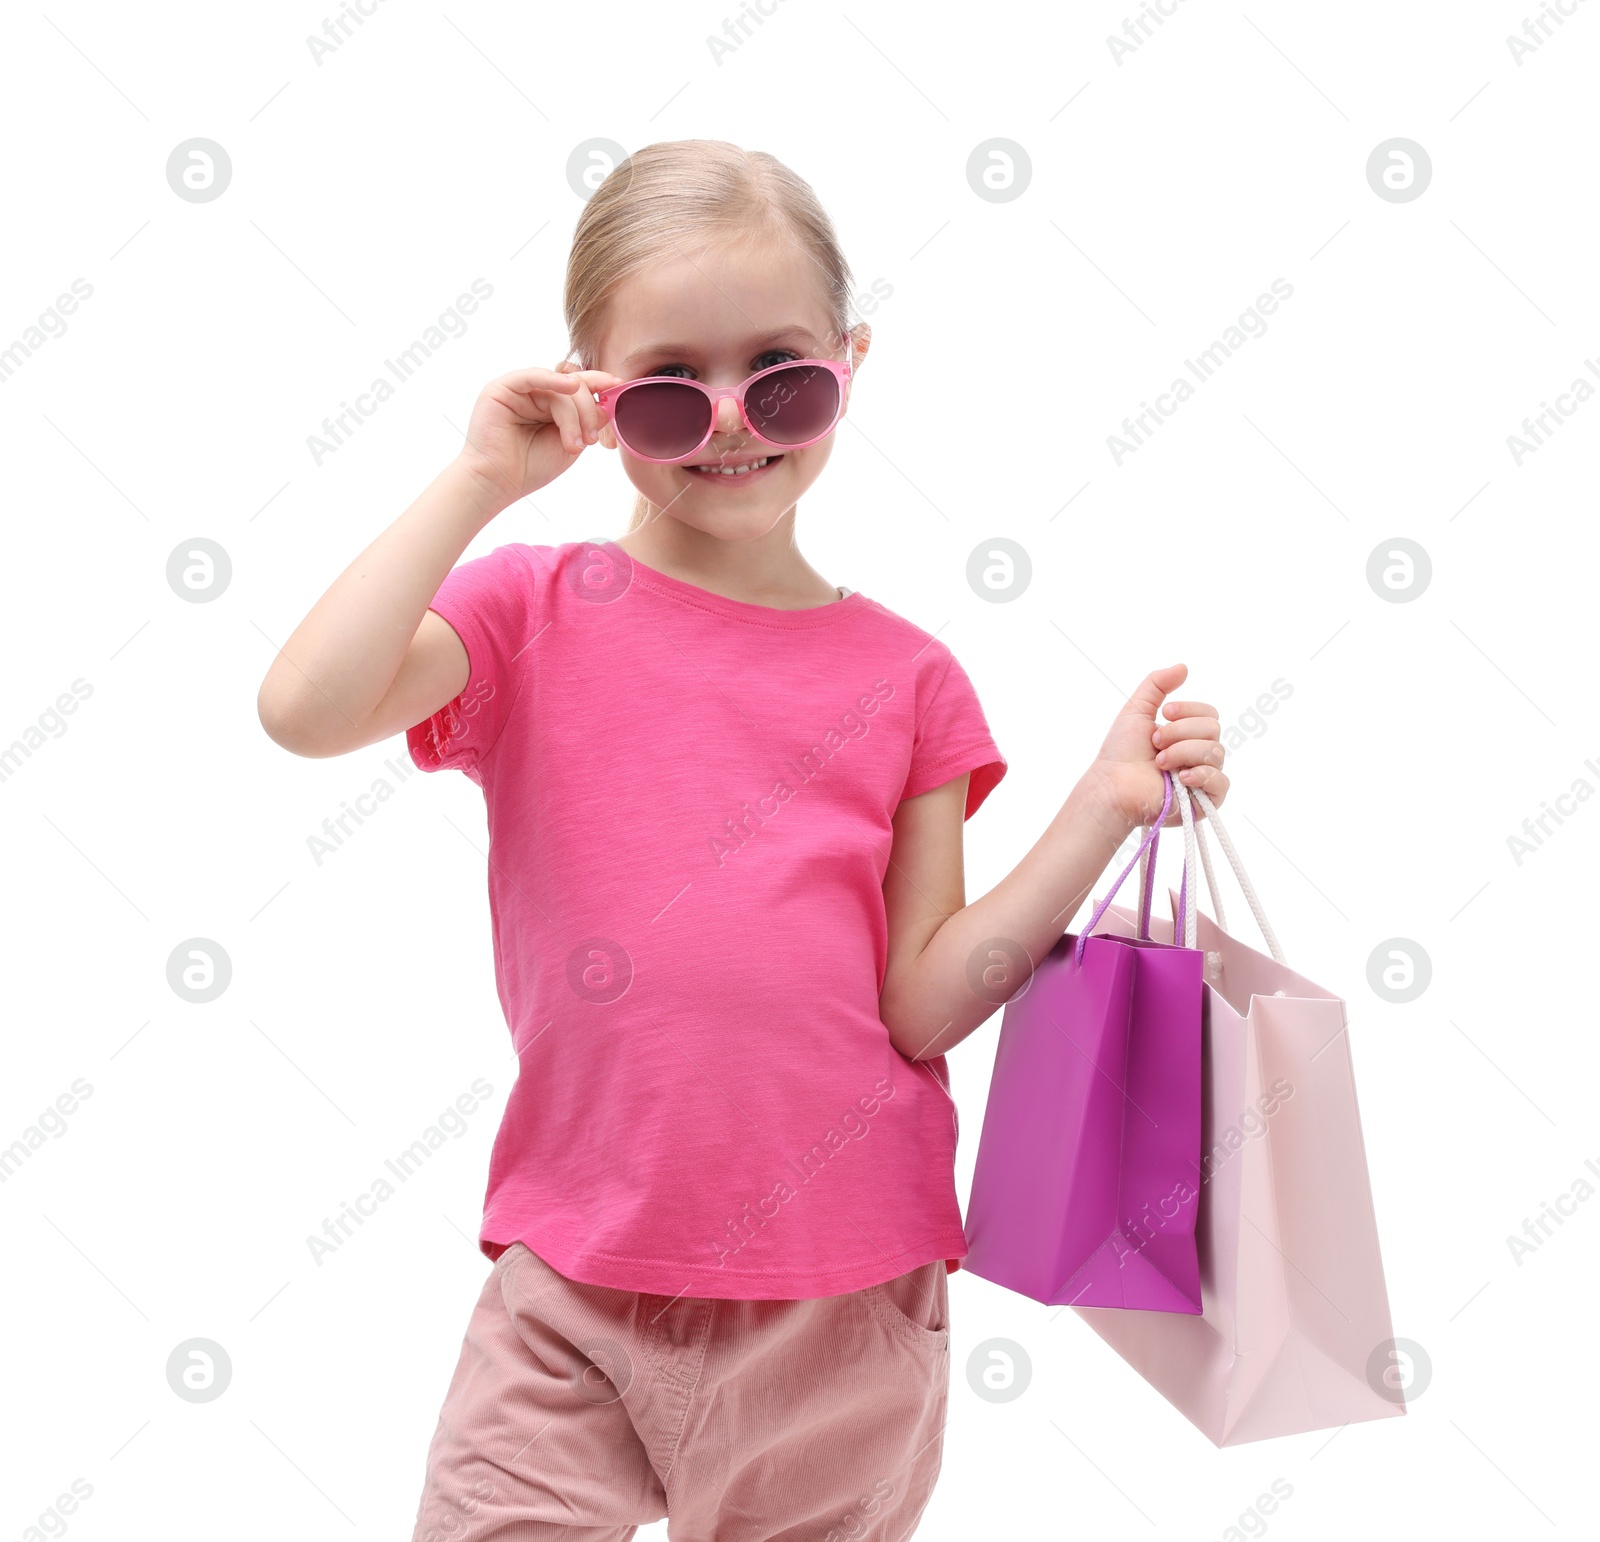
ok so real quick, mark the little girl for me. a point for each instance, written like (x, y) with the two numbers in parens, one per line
(725, 802)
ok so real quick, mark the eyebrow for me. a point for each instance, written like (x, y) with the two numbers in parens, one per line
(688, 350)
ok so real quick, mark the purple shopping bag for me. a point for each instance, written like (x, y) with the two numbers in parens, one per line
(1085, 1191)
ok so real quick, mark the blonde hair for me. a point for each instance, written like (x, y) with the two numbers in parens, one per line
(686, 194)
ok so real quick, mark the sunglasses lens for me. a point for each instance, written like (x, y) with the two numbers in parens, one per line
(791, 406)
(661, 419)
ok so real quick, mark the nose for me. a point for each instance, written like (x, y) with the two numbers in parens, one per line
(728, 420)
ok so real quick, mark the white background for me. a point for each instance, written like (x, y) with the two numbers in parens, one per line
(1166, 193)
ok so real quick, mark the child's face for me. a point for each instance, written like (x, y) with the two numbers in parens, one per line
(719, 315)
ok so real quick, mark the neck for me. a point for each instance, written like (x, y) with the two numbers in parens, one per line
(763, 569)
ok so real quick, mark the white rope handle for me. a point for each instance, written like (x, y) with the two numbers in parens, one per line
(1238, 872)
(1211, 877)
(1191, 908)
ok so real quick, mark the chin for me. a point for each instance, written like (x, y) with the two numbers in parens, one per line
(730, 525)
(733, 515)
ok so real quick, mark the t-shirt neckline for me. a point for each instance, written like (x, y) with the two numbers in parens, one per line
(654, 579)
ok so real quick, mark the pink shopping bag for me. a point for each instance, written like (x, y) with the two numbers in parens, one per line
(1295, 1332)
(1088, 1165)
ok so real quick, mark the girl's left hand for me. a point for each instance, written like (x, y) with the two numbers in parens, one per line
(1126, 775)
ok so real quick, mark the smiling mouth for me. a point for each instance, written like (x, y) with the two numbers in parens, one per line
(733, 471)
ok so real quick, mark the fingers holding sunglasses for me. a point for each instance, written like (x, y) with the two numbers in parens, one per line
(594, 382)
(564, 417)
(538, 383)
(526, 427)
(598, 380)
(591, 419)
(578, 416)
(541, 387)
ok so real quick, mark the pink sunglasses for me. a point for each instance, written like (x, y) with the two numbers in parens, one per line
(668, 420)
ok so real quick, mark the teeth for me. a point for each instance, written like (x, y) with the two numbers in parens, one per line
(735, 471)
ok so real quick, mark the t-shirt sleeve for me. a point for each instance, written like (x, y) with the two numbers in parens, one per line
(953, 736)
(490, 603)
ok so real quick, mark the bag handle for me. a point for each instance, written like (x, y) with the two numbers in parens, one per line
(1211, 877)
(1185, 924)
(1215, 820)
(1150, 844)
(1194, 843)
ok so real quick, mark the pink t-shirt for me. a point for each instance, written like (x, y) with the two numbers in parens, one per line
(689, 803)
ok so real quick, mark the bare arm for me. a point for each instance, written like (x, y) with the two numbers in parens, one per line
(371, 659)
(928, 1003)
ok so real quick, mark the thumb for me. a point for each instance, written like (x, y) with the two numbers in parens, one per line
(1154, 689)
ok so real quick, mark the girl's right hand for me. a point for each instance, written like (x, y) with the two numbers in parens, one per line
(530, 425)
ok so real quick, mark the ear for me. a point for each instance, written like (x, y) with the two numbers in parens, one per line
(607, 438)
(861, 337)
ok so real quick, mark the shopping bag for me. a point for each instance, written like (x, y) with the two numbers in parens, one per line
(1296, 1332)
(1087, 1168)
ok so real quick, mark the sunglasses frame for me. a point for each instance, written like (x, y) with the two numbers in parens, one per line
(842, 372)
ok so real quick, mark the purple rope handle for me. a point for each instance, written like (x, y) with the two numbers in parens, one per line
(1147, 890)
(1179, 934)
(1144, 914)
